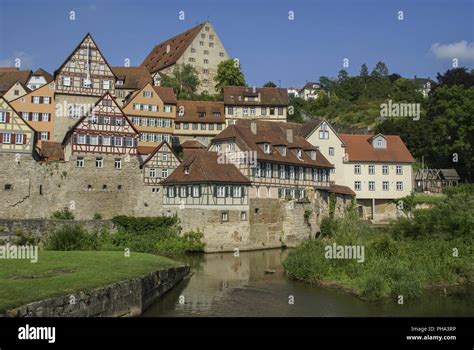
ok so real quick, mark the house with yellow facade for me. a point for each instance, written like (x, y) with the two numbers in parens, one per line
(152, 111)
(38, 109)
(16, 135)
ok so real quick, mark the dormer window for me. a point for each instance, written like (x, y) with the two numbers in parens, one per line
(186, 170)
(298, 153)
(119, 82)
(266, 148)
(379, 141)
(313, 155)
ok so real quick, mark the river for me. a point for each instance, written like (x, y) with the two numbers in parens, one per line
(225, 285)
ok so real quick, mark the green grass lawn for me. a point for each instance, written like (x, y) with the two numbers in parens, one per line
(432, 198)
(63, 272)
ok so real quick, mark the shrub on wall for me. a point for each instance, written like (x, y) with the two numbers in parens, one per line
(62, 214)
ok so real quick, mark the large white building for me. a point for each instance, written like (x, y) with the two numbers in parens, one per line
(378, 168)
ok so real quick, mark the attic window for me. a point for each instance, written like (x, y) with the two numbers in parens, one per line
(186, 170)
(298, 153)
(266, 148)
(313, 155)
(119, 82)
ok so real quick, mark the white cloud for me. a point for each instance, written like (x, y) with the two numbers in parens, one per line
(25, 60)
(462, 50)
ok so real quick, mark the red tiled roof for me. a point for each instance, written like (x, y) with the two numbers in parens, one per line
(166, 94)
(341, 190)
(156, 149)
(191, 109)
(8, 77)
(203, 167)
(359, 148)
(145, 150)
(192, 144)
(269, 96)
(160, 57)
(133, 77)
(274, 133)
(51, 150)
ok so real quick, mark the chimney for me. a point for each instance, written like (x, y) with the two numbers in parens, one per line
(253, 127)
(289, 135)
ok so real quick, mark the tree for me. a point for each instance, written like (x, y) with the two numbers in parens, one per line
(364, 71)
(380, 70)
(229, 74)
(342, 75)
(394, 77)
(184, 81)
(456, 76)
(269, 84)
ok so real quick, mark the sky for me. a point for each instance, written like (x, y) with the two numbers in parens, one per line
(269, 44)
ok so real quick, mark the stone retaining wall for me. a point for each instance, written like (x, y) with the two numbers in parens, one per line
(123, 299)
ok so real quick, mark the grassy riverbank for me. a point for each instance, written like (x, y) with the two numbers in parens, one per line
(435, 247)
(61, 273)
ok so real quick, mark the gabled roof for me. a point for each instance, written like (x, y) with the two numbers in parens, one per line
(40, 72)
(191, 109)
(269, 96)
(9, 76)
(192, 144)
(359, 148)
(274, 133)
(309, 86)
(166, 94)
(203, 167)
(161, 57)
(157, 148)
(17, 114)
(76, 48)
(133, 77)
(71, 130)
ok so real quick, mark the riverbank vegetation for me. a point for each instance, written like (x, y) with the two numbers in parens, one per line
(58, 273)
(157, 235)
(431, 248)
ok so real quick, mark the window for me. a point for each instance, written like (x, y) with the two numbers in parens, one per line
(230, 110)
(67, 81)
(263, 111)
(252, 110)
(106, 84)
(46, 100)
(385, 185)
(206, 52)
(220, 191)
(224, 216)
(371, 170)
(44, 135)
(292, 172)
(152, 172)
(323, 132)
(80, 162)
(268, 170)
(182, 192)
(170, 192)
(357, 169)
(168, 108)
(118, 164)
(399, 170)
(280, 111)
(282, 172)
(399, 186)
(45, 117)
(206, 61)
(385, 169)
(118, 141)
(243, 215)
(19, 139)
(36, 99)
(196, 192)
(331, 151)
(205, 71)
(266, 148)
(164, 157)
(99, 162)
(147, 94)
(221, 54)
(3, 117)
(371, 185)
(35, 116)
(211, 44)
(237, 192)
(357, 185)
(164, 173)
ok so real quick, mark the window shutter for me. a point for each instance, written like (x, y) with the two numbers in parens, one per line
(41, 99)
(215, 191)
(12, 139)
(32, 99)
(242, 191)
(74, 139)
(48, 134)
(7, 118)
(24, 138)
(1, 138)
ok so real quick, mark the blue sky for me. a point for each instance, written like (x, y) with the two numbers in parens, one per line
(259, 33)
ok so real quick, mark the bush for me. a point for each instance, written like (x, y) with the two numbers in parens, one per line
(97, 216)
(72, 237)
(62, 214)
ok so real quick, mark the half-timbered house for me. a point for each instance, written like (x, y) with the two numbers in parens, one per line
(105, 131)
(16, 135)
(279, 163)
(80, 81)
(37, 108)
(159, 164)
(152, 111)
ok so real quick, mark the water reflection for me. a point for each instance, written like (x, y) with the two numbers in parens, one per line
(225, 285)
